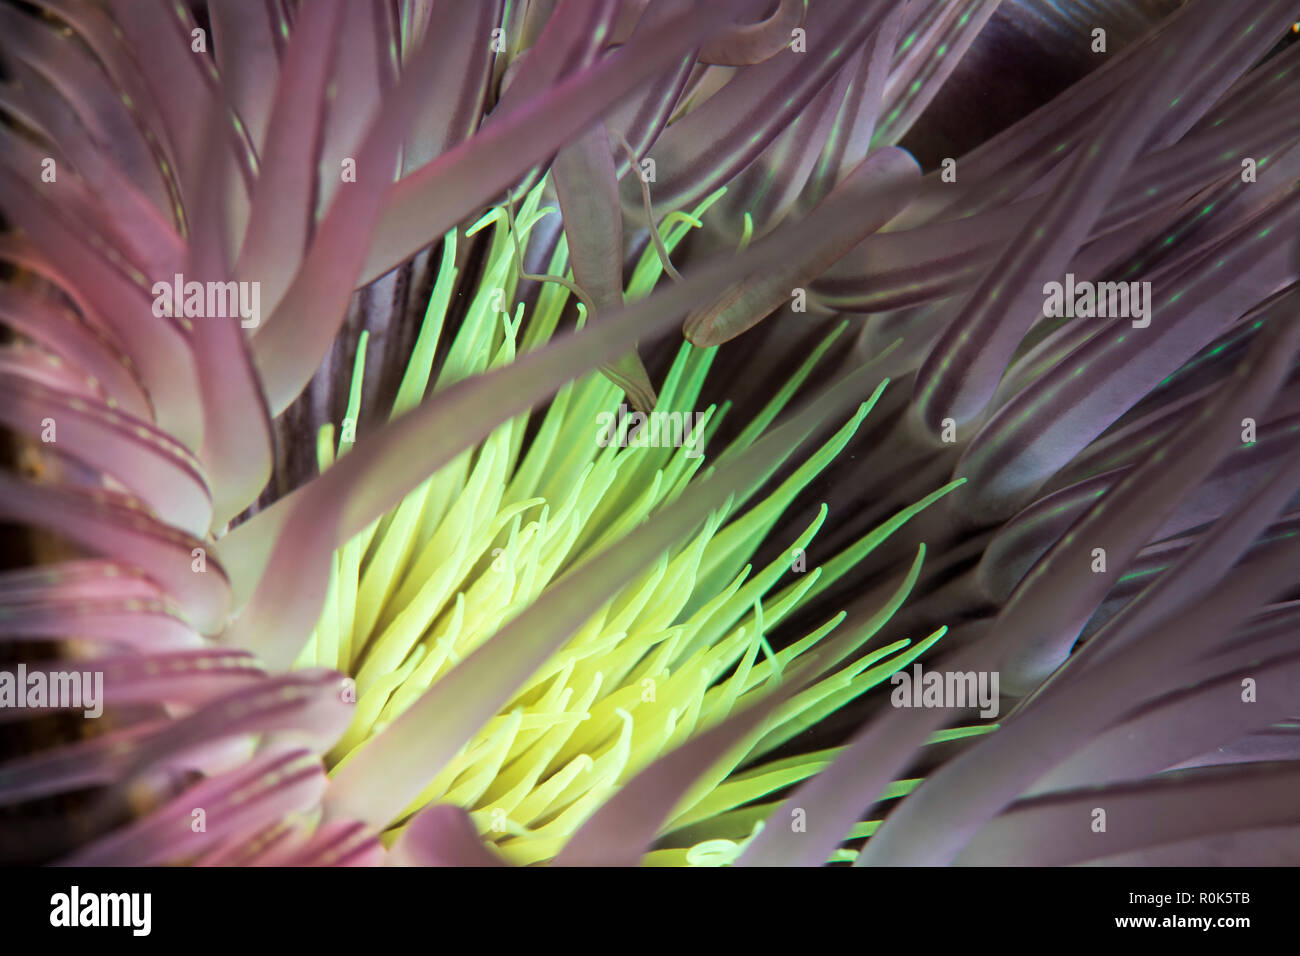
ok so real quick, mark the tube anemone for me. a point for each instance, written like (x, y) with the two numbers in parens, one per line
(356, 460)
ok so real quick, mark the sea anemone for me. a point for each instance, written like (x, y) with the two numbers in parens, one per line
(358, 464)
